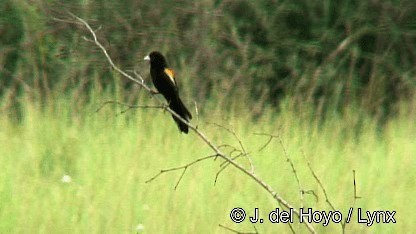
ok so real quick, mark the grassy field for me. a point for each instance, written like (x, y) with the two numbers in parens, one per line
(109, 157)
(334, 79)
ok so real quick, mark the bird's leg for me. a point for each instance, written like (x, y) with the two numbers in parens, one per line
(165, 107)
(154, 92)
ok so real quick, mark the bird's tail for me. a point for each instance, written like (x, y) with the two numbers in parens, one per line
(180, 109)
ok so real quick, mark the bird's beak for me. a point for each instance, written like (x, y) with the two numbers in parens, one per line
(147, 58)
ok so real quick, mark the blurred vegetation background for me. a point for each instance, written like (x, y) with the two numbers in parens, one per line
(327, 54)
(336, 79)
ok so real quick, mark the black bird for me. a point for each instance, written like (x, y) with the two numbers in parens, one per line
(164, 80)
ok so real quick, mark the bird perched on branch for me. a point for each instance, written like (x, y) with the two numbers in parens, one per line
(164, 80)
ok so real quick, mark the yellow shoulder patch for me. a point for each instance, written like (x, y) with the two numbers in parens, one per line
(171, 74)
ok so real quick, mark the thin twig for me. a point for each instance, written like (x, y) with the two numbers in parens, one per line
(322, 188)
(244, 152)
(66, 21)
(268, 141)
(313, 194)
(138, 76)
(355, 189)
(344, 222)
(197, 114)
(232, 132)
(238, 232)
(230, 154)
(285, 153)
(293, 169)
(218, 173)
(95, 40)
(266, 144)
(289, 223)
(224, 165)
(129, 106)
(318, 181)
(184, 168)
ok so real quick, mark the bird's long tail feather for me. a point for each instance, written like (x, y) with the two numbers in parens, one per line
(180, 109)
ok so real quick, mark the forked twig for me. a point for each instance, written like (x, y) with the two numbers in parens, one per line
(243, 150)
(183, 168)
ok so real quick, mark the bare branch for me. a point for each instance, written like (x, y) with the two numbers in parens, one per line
(95, 40)
(228, 146)
(200, 134)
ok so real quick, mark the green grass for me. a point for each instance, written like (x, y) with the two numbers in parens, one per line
(109, 157)
(236, 60)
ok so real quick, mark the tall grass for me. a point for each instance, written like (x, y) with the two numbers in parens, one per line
(109, 157)
(336, 53)
(320, 74)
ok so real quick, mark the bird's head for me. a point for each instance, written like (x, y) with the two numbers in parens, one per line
(156, 60)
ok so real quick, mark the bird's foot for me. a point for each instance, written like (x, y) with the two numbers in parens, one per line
(165, 107)
(154, 92)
